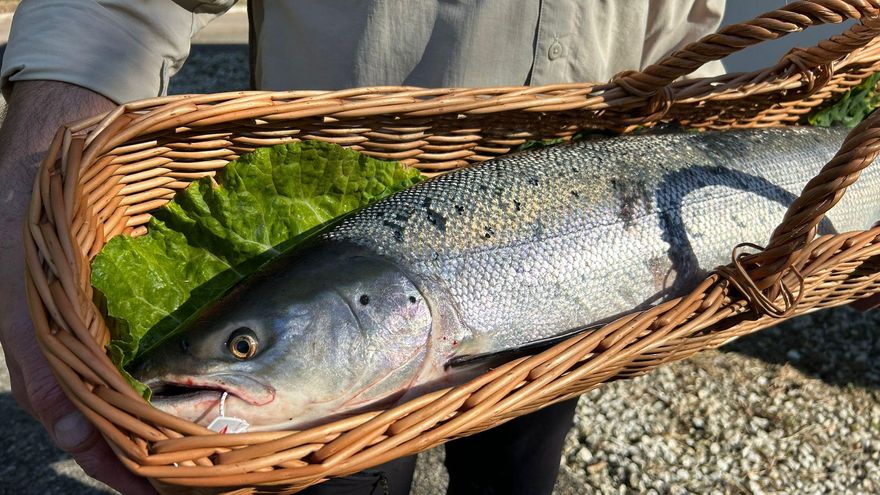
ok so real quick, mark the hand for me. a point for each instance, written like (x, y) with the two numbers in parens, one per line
(36, 111)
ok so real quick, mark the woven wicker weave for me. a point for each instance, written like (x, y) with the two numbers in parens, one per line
(104, 175)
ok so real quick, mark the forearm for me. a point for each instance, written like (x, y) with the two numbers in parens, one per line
(36, 110)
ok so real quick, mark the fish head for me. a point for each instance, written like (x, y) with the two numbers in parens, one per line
(323, 334)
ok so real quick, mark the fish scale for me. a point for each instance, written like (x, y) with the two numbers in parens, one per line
(537, 243)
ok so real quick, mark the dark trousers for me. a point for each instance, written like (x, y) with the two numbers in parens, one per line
(518, 457)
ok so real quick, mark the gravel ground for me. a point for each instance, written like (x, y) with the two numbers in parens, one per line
(795, 409)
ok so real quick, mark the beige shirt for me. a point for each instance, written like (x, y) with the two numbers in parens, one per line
(127, 50)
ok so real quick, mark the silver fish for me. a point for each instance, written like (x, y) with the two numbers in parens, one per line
(399, 297)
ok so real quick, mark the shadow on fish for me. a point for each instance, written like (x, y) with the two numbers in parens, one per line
(439, 282)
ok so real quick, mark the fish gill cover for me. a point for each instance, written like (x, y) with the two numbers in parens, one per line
(208, 237)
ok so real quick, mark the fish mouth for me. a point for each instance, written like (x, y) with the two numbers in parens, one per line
(184, 388)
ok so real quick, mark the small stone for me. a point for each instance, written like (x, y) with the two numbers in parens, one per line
(584, 455)
(597, 467)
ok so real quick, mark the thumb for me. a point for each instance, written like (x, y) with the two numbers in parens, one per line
(73, 433)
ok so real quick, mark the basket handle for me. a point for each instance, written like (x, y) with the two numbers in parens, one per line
(766, 269)
(770, 266)
(769, 26)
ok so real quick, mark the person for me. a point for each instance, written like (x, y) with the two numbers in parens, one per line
(70, 59)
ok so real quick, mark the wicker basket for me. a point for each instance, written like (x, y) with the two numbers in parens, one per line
(104, 175)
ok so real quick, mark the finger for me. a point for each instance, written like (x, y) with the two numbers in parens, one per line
(16, 337)
(16, 381)
(22, 353)
(69, 429)
(98, 460)
(43, 395)
(47, 400)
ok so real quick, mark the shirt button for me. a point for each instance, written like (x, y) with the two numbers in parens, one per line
(555, 51)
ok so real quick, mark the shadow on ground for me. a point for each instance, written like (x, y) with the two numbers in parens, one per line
(30, 458)
(840, 346)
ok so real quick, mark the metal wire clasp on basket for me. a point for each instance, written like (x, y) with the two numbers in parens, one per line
(814, 70)
(737, 274)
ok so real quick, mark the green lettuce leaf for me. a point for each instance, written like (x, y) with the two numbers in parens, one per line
(850, 108)
(209, 237)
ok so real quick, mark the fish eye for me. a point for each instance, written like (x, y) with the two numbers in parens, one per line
(242, 343)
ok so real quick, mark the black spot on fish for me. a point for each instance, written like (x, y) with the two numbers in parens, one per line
(489, 233)
(576, 194)
(412, 299)
(364, 300)
(629, 195)
(483, 187)
(533, 181)
(517, 206)
(459, 209)
(437, 219)
(400, 215)
(397, 229)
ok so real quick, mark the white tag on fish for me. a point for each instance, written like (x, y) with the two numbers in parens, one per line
(226, 424)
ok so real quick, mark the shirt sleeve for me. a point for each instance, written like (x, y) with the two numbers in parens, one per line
(124, 50)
